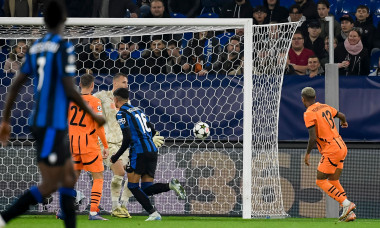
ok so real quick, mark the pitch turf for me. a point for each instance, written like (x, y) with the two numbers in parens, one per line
(49, 221)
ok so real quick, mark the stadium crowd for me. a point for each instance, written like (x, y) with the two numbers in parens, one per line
(356, 42)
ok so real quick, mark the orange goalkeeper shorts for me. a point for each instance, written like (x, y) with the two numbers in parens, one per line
(333, 156)
(92, 162)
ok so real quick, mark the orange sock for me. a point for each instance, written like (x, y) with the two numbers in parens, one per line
(331, 190)
(338, 186)
(96, 194)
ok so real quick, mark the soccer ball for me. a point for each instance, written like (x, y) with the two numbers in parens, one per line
(201, 130)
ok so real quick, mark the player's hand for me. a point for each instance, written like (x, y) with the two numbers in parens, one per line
(5, 131)
(158, 140)
(105, 153)
(307, 158)
(99, 119)
(344, 125)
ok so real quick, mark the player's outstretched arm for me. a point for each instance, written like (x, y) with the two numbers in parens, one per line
(311, 144)
(342, 118)
(5, 128)
(75, 96)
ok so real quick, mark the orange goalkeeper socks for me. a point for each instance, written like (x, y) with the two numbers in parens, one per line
(338, 186)
(331, 190)
(96, 194)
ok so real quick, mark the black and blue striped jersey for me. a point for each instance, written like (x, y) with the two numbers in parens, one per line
(140, 129)
(48, 60)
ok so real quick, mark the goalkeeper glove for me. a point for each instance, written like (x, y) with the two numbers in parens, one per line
(158, 140)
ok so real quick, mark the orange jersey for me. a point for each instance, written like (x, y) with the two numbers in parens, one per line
(322, 117)
(83, 130)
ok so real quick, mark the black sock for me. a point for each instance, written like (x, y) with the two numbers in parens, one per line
(156, 189)
(67, 202)
(141, 197)
(20, 206)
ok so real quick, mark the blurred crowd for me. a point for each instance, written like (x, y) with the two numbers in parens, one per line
(356, 37)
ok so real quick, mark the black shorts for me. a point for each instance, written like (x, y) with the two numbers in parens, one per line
(144, 163)
(52, 147)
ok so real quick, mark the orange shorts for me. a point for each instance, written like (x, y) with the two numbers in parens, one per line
(92, 162)
(332, 157)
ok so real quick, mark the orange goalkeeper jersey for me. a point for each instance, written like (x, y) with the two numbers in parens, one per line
(322, 117)
(83, 130)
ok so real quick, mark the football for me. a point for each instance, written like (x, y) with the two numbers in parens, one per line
(201, 130)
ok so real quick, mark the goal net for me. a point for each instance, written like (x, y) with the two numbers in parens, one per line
(225, 72)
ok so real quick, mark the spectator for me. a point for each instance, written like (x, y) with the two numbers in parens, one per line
(13, 63)
(158, 10)
(325, 56)
(81, 8)
(376, 39)
(125, 64)
(155, 57)
(376, 71)
(308, 9)
(17, 8)
(313, 41)
(323, 8)
(275, 11)
(346, 25)
(144, 7)
(351, 56)
(298, 54)
(260, 15)
(295, 15)
(364, 21)
(176, 63)
(237, 9)
(96, 61)
(230, 60)
(114, 8)
(202, 51)
(314, 67)
(189, 8)
(212, 6)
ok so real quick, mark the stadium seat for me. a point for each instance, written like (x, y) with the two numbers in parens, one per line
(112, 53)
(375, 58)
(177, 15)
(208, 15)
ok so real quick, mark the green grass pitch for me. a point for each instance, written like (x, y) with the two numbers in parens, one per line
(49, 221)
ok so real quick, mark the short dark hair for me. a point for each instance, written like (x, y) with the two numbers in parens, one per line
(86, 80)
(313, 57)
(299, 32)
(324, 2)
(363, 7)
(173, 42)
(237, 38)
(123, 93)
(119, 74)
(295, 6)
(54, 14)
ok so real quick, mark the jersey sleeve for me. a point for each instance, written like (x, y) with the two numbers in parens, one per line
(310, 119)
(334, 112)
(96, 105)
(26, 67)
(121, 118)
(68, 60)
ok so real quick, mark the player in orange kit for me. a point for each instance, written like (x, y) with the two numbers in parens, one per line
(319, 119)
(84, 144)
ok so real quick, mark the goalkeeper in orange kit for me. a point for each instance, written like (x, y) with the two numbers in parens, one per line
(84, 144)
(319, 119)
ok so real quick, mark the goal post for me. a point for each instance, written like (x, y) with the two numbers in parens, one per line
(252, 135)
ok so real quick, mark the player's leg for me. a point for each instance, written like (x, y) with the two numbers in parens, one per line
(96, 195)
(334, 180)
(135, 170)
(141, 197)
(116, 182)
(147, 179)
